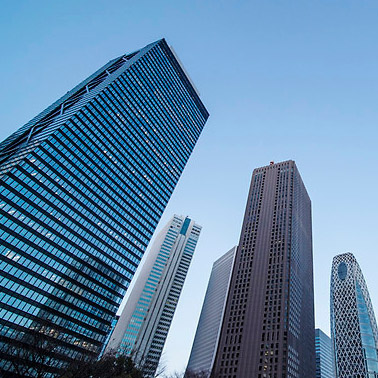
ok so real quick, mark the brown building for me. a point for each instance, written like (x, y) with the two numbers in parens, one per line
(268, 325)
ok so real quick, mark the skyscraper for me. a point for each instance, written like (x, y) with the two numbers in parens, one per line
(207, 334)
(354, 330)
(324, 355)
(268, 326)
(82, 188)
(144, 324)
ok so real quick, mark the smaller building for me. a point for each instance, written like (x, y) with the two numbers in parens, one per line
(354, 328)
(145, 321)
(324, 356)
(207, 334)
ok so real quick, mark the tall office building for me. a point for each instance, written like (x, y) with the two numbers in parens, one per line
(354, 330)
(324, 355)
(206, 339)
(82, 188)
(144, 324)
(268, 326)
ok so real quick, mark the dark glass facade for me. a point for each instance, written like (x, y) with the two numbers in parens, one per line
(268, 325)
(82, 188)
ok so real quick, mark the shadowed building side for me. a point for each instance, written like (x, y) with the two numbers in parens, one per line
(206, 339)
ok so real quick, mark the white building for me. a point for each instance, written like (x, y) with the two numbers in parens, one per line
(144, 323)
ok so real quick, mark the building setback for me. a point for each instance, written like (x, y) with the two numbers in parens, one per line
(208, 329)
(145, 321)
(354, 330)
(324, 355)
(82, 188)
(268, 326)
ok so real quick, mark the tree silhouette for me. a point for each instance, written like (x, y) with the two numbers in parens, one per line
(109, 366)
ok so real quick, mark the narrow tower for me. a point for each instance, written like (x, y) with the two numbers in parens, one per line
(268, 326)
(207, 335)
(353, 325)
(145, 321)
(82, 188)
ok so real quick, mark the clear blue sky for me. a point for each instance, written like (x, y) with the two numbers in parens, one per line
(293, 79)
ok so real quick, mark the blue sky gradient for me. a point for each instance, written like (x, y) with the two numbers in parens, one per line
(281, 79)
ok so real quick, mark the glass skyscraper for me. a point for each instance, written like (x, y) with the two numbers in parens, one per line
(268, 326)
(353, 325)
(145, 321)
(82, 188)
(206, 339)
(324, 355)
